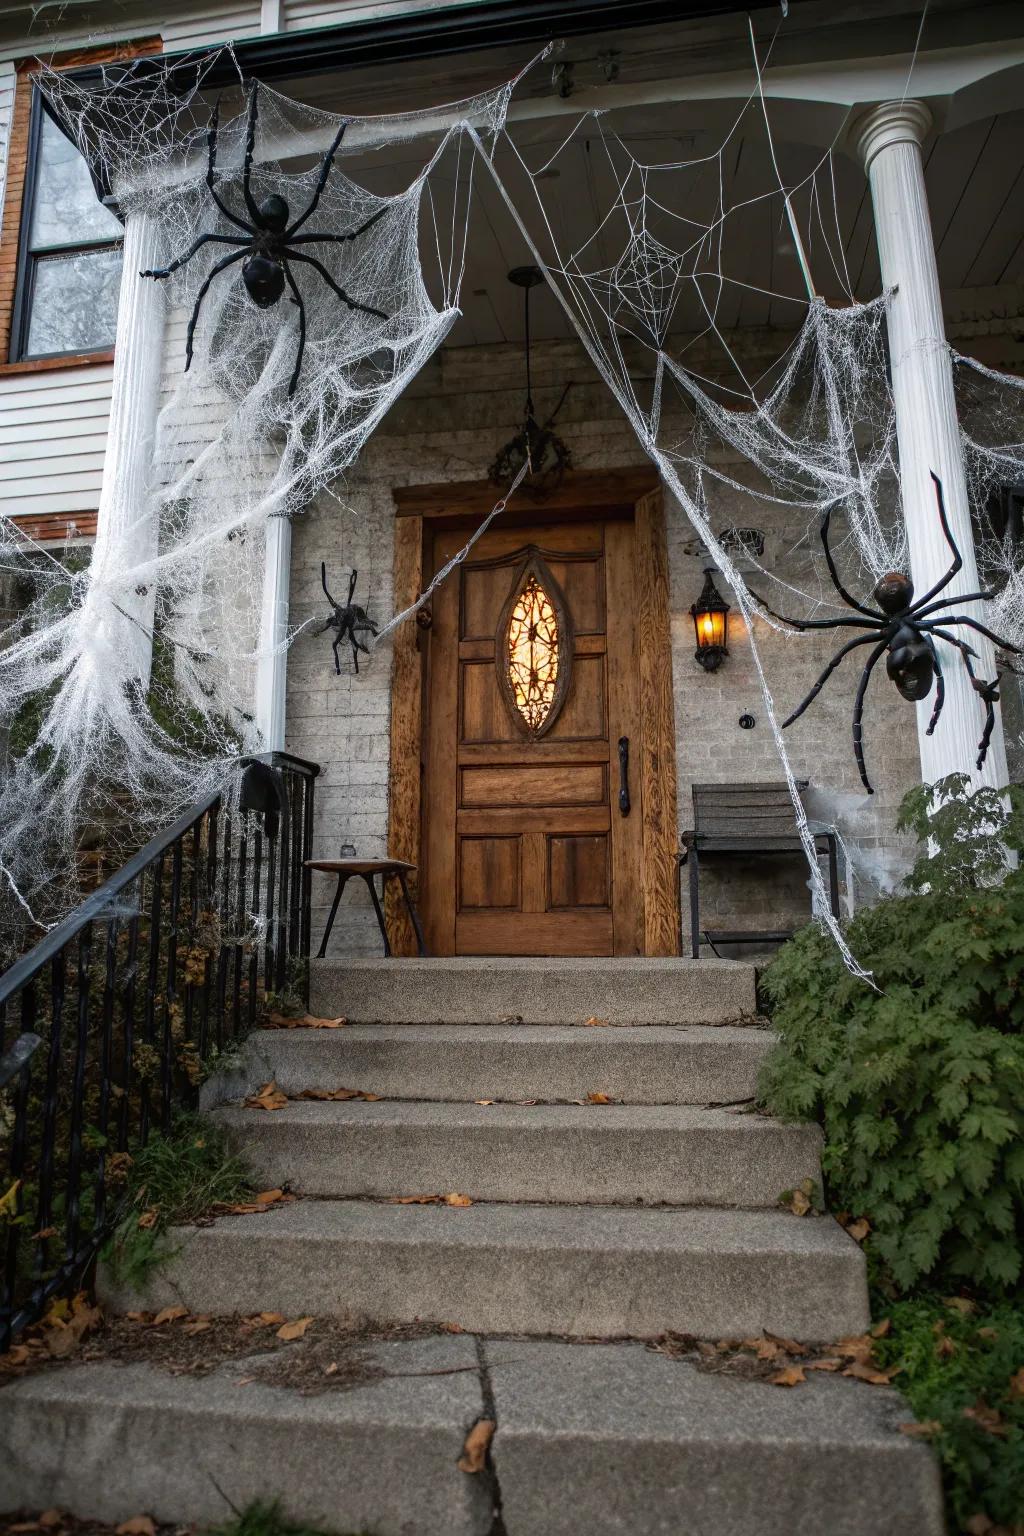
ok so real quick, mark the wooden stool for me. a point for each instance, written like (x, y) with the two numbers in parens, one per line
(388, 869)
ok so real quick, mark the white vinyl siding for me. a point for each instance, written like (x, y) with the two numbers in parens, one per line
(53, 434)
(301, 14)
(212, 23)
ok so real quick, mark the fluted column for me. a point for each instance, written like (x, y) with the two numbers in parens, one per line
(889, 140)
(127, 531)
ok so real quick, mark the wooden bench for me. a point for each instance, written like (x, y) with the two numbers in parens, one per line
(737, 820)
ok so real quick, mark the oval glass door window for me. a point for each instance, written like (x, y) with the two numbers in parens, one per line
(534, 651)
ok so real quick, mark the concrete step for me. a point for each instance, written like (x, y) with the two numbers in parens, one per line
(533, 991)
(615, 1153)
(607, 1440)
(660, 1064)
(110, 1441)
(613, 1440)
(525, 1269)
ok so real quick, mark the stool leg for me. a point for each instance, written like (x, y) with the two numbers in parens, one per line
(694, 904)
(333, 914)
(412, 912)
(380, 915)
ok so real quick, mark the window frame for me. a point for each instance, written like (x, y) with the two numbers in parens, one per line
(28, 259)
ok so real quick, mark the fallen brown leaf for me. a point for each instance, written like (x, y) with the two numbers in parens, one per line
(43, 1234)
(991, 1334)
(856, 1347)
(595, 1023)
(961, 1304)
(789, 1376)
(288, 1332)
(269, 1097)
(800, 1201)
(598, 1098)
(200, 1325)
(923, 1429)
(861, 1371)
(339, 1095)
(474, 1452)
(147, 1220)
(883, 1329)
(138, 1525)
(988, 1419)
(945, 1346)
(169, 1315)
(457, 1199)
(483, 1101)
(302, 1021)
(825, 1363)
(859, 1229)
(51, 1517)
(266, 1319)
(415, 1200)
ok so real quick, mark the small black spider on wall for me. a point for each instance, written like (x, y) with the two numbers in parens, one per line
(267, 243)
(905, 629)
(348, 619)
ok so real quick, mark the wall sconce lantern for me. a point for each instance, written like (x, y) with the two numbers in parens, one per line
(711, 623)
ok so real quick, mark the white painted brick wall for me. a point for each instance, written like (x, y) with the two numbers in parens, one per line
(448, 427)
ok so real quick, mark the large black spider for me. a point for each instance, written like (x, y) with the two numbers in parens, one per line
(348, 621)
(904, 629)
(267, 246)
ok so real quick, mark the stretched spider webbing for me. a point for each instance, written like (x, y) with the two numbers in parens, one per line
(663, 292)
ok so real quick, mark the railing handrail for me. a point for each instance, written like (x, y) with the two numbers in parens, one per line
(96, 903)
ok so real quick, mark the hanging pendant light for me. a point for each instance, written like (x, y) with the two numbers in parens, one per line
(548, 456)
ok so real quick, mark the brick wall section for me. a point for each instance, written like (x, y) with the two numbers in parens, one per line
(448, 427)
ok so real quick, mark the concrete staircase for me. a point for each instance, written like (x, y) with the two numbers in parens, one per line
(656, 1213)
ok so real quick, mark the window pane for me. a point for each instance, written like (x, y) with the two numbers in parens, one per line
(74, 303)
(66, 210)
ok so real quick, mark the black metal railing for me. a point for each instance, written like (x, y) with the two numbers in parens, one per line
(112, 1020)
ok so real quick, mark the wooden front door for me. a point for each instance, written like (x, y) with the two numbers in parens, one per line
(532, 822)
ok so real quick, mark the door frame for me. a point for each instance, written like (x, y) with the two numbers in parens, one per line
(633, 493)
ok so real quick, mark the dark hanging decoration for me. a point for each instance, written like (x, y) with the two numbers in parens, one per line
(267, 243)
(904, 629)
(349, 621)
(539, 445)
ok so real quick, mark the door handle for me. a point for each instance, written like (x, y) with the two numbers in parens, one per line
(624, 775)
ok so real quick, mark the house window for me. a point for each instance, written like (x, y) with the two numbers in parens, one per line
(69, 266)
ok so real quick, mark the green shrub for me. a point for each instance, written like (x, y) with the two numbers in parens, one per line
(920, 1085)
(960, 1368)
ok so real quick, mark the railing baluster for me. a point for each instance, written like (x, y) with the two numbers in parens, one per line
(172, 1007)
(106, 1045)
(254, 916)
(74, 1176)
(48, 1147)
(240, 916)
(16, 1168)
(131, 961)
(149, 1003)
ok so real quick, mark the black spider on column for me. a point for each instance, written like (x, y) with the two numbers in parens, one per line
(348, 621)
(905, 629)
(268, 243)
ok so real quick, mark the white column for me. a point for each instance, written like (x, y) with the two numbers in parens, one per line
(127, 530)
(889, 139)
(272, 667)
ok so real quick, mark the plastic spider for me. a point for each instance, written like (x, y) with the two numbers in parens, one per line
(347, 620)
(905, 629)
(267, 244)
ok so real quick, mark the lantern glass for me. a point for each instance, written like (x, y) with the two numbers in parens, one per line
(710, 624)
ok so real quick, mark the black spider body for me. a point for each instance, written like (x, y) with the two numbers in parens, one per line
(349, 620)
(266, 244)
(904, 631)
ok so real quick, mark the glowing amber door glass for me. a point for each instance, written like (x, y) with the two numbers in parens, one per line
(533, 659)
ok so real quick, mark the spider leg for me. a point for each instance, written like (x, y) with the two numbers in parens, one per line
(940, 685)
(858, 713)
(201, 295)
(323, 583)
(823, 679)
(353, 234)
(872, 623)
(355, 652)
(989, 695)
(179, 261)
(337, 659)
(962, 618)
(297, 296)
(850, 601)
(353, 578)
(352, 304)
(211, 165)
(957, 561)
(251, 113)
(325, 171)
(961, 597)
